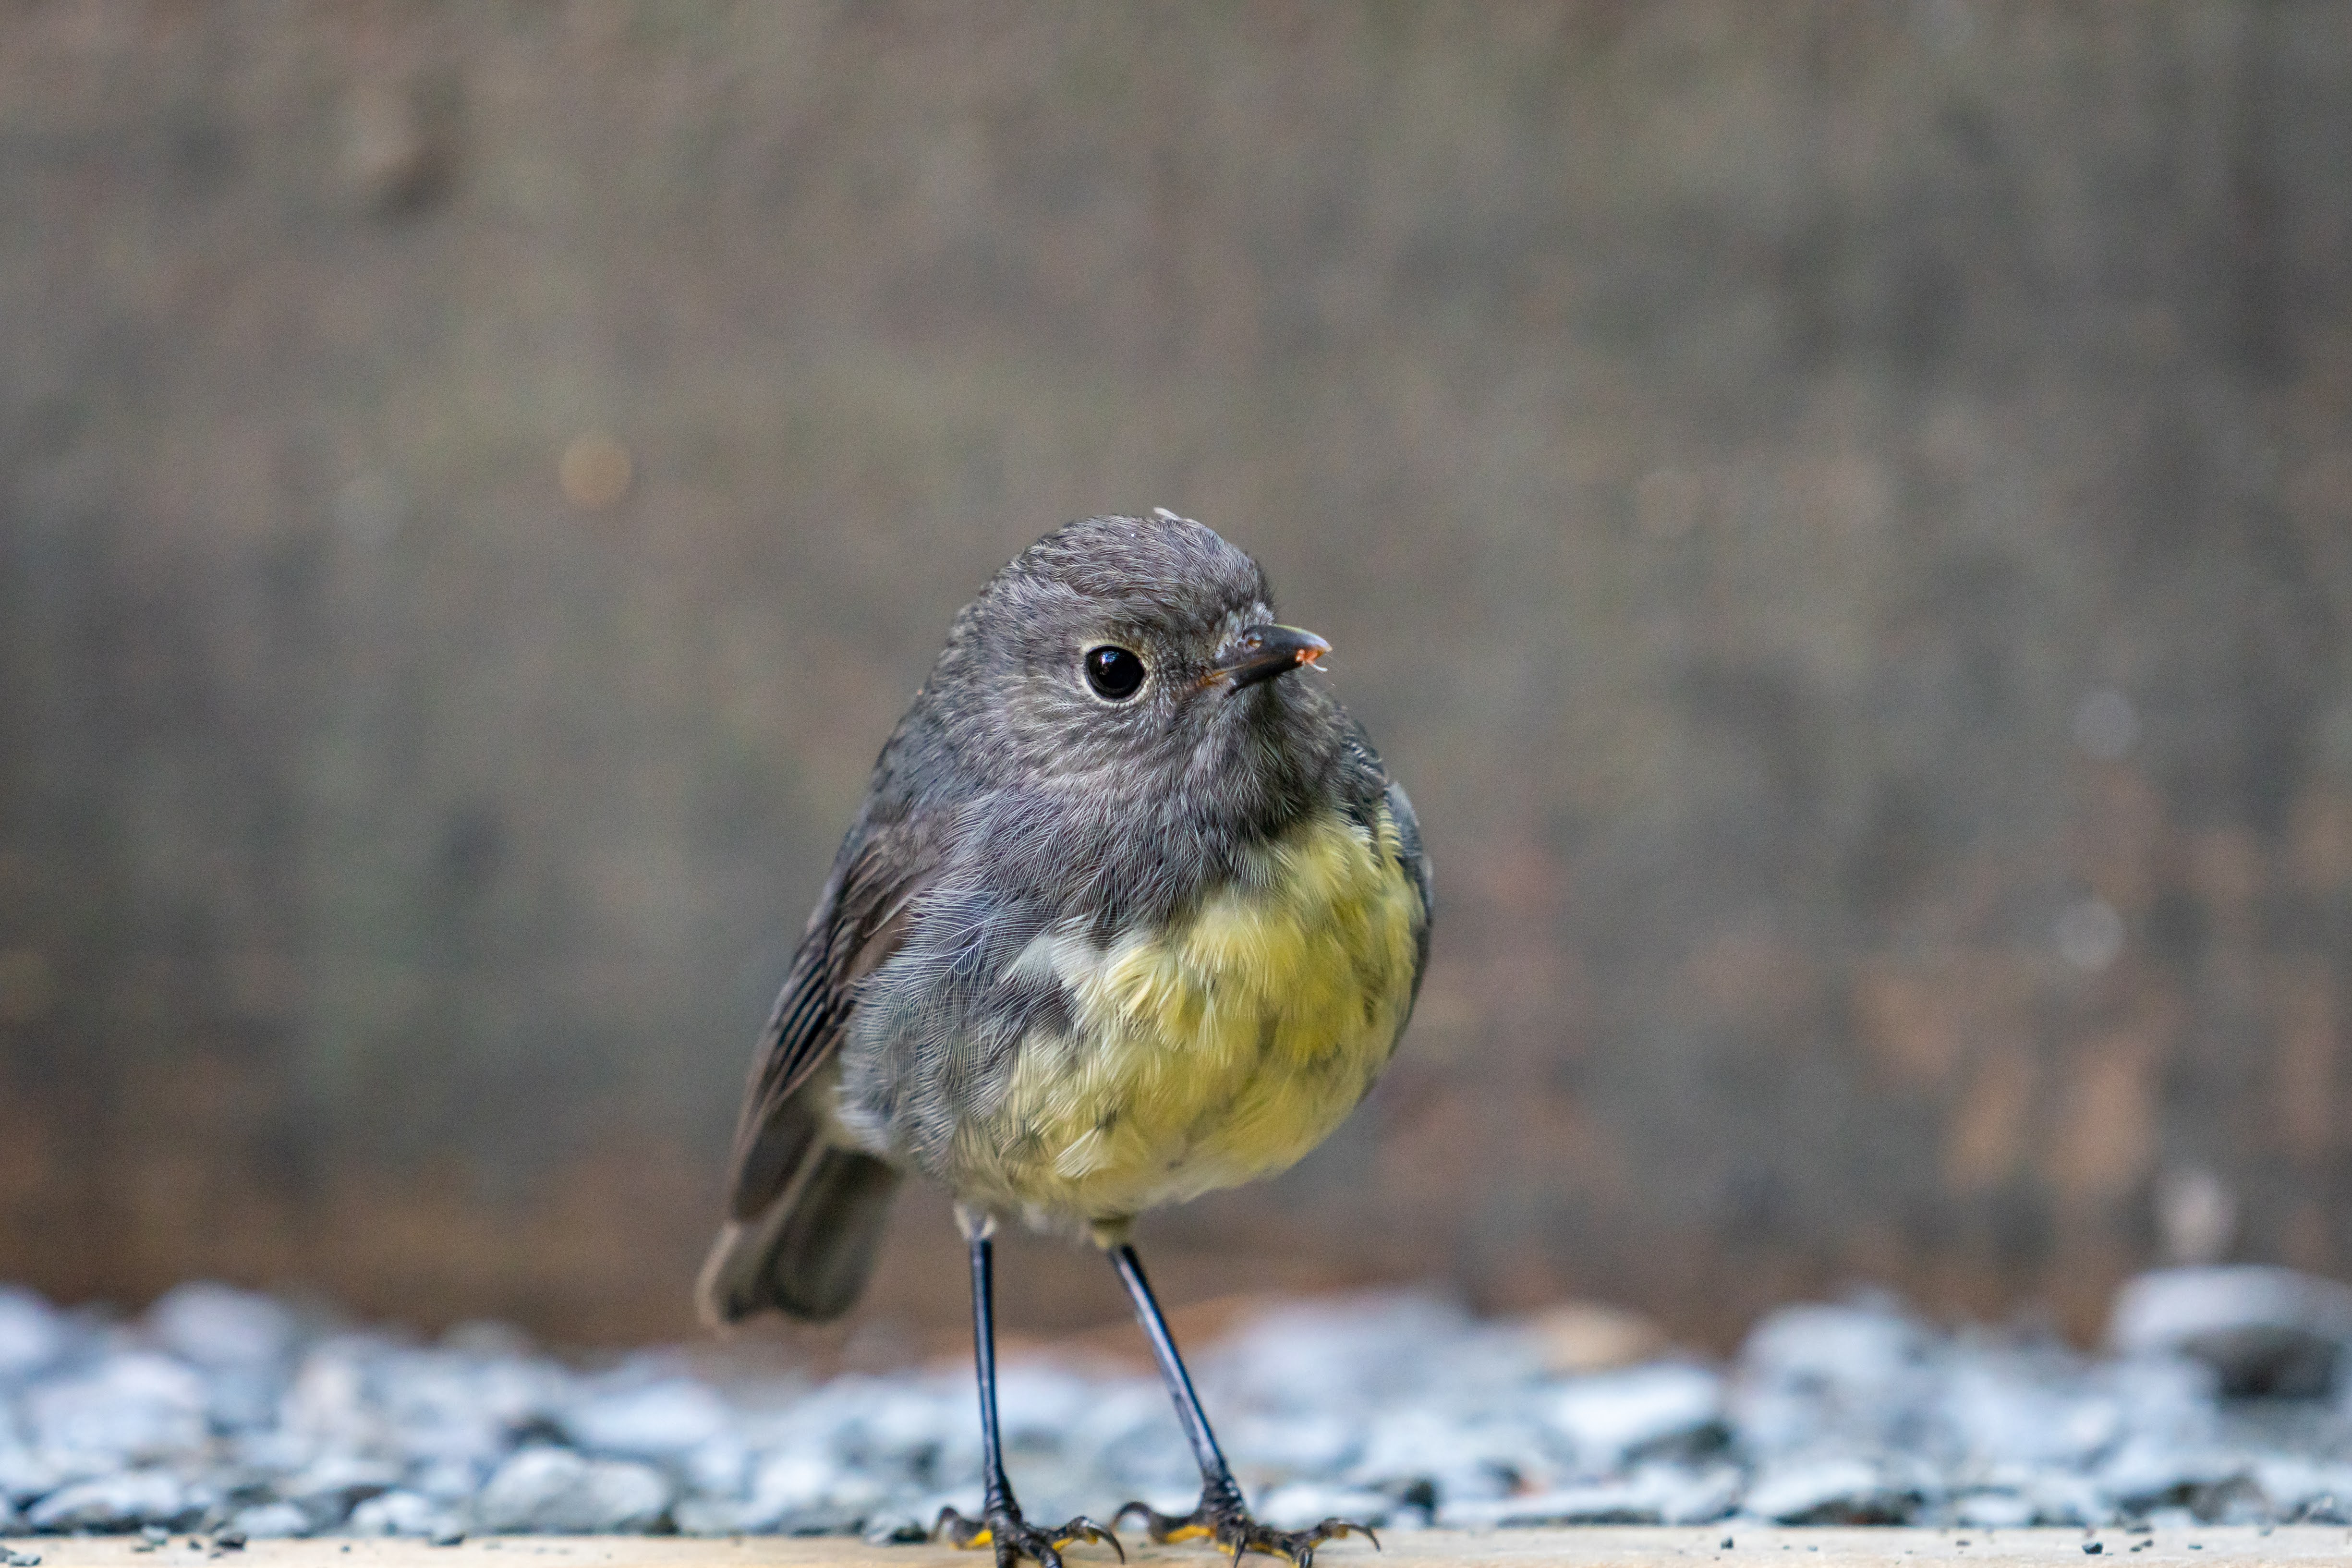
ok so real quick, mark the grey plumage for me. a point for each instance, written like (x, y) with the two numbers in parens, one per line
(1013, 803)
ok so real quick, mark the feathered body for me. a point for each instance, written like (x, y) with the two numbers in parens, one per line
(1080, 957)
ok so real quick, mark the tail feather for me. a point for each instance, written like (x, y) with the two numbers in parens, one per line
(808, 1251)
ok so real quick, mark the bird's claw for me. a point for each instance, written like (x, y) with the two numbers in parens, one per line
(1232, 1528)
(1015, 1538)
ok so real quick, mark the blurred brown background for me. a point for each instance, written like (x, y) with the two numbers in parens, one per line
(1840, 513)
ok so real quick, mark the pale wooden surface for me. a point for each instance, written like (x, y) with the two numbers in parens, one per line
(1589, 1548)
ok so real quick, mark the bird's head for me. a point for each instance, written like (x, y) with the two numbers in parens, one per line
(1136, 655)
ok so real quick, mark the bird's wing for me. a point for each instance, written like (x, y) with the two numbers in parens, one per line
(862, 918)
(1372, 794)
(1414, 860)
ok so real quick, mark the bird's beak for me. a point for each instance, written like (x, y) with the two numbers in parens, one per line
(1260, 653)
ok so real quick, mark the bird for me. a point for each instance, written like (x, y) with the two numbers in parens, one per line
(1132, 911)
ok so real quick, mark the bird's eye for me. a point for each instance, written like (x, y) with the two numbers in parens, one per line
(1114, 673)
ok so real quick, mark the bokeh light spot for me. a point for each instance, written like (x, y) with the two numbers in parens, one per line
(2105, 724)
(2090, 935)
(594, 471)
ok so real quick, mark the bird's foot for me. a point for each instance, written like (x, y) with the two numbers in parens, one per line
(1002, 1527)
(1222, 1518)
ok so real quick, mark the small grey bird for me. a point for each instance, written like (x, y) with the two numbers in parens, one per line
(1131, 912)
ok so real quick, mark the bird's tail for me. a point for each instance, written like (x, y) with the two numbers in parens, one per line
(808, 1251)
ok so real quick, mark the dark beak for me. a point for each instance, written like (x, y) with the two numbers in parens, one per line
(1262, 653)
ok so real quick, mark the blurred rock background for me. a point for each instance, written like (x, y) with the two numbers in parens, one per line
(1840, 513)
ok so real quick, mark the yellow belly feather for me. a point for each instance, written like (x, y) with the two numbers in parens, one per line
(1217, 1052)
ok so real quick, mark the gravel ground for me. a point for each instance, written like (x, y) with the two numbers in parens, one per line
(229, 1413)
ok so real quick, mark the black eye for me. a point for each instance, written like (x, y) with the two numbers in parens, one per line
(1114, 673)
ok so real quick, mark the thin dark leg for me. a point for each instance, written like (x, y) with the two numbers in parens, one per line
(1216, 1476)
(999, 1492)
(1222, 1515)
(999, 1524)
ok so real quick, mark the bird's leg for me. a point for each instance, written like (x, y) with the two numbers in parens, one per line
(1222, 1515)
(1000, 1523)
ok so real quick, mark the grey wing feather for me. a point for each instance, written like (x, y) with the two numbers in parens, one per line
(1416, 861)
(805, 1215)
(1368, 782)
(861, 920)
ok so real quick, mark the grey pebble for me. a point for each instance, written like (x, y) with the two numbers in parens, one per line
(1829, 1490)
(401, 1513)
(898, 1528)
(559, 1491)
(130, 1407)
(213, 1326)
(2263, 1331)
(267, 1522)
(125, 1501)
(32, 1334)
(1607, 1417)
(664, 1419)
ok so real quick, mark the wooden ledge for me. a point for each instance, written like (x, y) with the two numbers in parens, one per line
(1586, 1548)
